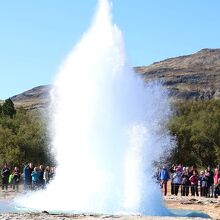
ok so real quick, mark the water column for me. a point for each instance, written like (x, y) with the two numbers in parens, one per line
(107, 128)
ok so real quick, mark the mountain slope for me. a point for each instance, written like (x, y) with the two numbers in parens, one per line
(36, 98)
(195, 76)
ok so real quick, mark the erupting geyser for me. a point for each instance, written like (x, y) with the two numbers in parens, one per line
(107, 129)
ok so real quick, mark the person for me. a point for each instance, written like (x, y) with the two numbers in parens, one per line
(203, 183)
(35, 175)
(16, 178)
(177, 179)
(216, 182)
(172, 171)
(5, 176)
(47, 175)
(27, 176)
(185, 182)
(41, 176)
(194, 179)
(164, 177)
(51, 173)
(210, 182)
(217, 189)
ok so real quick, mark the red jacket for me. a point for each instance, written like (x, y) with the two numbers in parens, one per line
(194, 179)
(216, 177)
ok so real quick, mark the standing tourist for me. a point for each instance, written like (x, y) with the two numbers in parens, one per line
(47, 175)
(217, 188)
(203, 183)
(5, 176)
(172, 171)
(194, 179)
(216, 182)
(16, 178)
(210, 182)
(185, 182)
(41, 176)
(27, 176)
(51, 173)
(35, 179)
(177, 179)
(164, 177)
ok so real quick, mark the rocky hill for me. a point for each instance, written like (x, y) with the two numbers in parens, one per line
(195, 76)
(36, 98)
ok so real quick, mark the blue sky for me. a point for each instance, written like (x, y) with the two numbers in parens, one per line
(35, 36)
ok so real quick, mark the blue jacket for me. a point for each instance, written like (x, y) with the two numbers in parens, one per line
(164, 174)
(27, 174)
(35, 176)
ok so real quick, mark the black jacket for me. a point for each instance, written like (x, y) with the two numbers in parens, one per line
(5, 173)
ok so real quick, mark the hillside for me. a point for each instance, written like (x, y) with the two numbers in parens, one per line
(36, 98)
(195, 76)
(190, 77)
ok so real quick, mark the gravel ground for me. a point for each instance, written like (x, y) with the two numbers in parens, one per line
(43, 216)
(205, 205)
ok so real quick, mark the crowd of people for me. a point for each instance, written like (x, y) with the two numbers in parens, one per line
(32, 177)
(205, 183)
(185, 180)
